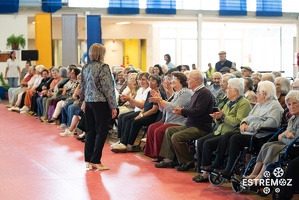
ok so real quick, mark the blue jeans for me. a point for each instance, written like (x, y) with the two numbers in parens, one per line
(68, 112)
(13, 82)
(40, 108)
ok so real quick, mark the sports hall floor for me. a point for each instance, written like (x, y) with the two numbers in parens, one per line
(37, 164)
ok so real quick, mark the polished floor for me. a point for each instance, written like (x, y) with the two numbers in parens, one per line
(37, 164)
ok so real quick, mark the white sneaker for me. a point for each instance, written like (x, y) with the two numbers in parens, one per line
(119, 146)
(11, 109)
(24, 112)
(25, 108)
(62, 126)
(67, 132)
(112, 145)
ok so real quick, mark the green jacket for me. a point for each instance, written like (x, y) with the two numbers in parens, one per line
(233, 116)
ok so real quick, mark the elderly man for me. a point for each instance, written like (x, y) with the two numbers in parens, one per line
(198, 124)
(246, 71)
(215, 87)
(222, 61)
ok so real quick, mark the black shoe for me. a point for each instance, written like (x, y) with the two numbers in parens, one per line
(200, 179)
(163, 164)
(217, 171)
(185, 167)
(80, 139)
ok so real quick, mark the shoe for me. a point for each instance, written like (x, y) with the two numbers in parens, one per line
(115, 144)
(143, 140)
(163, 164)
(185, 167)
(67, 132)
(11, 108)
(157, 160)
(52, 121)
(200, 179)
(135, 149)
(23, 112)
(8, 105)
(31, 113)
(44, 119)
(207, 168)
(119, 148)
(24, 108)
(97, 166)
(80, 138)
(81, 135)
(113, 134)
(62, 126)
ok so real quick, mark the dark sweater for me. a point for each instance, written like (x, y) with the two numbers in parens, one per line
(197, 112)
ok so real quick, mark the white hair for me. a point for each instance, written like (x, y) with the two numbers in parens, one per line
(237, 83)
(293, 94)
(267, 87)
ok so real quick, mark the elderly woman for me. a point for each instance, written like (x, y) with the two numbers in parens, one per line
(270, 151)
(256, 79)
(232, 114)
(248, 90)
(147, 116)
(282, 85)
(222, 99)
(156, 131)
(266, 113)
(98, 92)
(136, 101)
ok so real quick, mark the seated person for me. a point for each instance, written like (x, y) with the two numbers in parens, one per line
(136, 100)
(270, 151)
(232, 114)
(266, 113)
(282, 85)
(180, 98)
(147, 116)
(248, 90)
(198, 124)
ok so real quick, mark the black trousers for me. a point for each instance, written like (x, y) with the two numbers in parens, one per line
(222, 148)
(33, 103)
(236, 144)
(124, 122)
(98, 116)
(286, 192)
(201, 151)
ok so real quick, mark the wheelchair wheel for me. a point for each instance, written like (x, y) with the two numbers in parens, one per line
(216, 179)
(237, 187)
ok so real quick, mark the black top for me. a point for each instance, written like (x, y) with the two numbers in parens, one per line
(219, 66)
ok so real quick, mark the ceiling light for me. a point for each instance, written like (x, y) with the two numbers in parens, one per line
(123, 23)
(33, 22)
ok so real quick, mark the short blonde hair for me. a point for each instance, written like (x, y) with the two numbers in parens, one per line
(97, 52)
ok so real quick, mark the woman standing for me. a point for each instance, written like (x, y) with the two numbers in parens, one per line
(97, 90)
(12, 72)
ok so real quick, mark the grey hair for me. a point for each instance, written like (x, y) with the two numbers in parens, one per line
(229, 76)
(284, 84)
(293, 94)
(237, 83)
(63, 72)
(55, 69)
(217, 73)
(198, 74)
(268, 77)
(267, 87)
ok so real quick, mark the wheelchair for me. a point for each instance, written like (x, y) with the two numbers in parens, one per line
(273, 172)
(239, 168)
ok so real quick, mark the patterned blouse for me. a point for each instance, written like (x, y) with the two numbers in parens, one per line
(97, 84)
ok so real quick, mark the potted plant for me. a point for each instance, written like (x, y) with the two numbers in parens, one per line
(3, 88)
(15, 41)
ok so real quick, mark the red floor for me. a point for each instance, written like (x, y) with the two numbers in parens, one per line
(37, 164)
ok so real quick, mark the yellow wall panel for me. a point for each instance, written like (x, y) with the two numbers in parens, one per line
(143, 55)
(43, 39)
(132, 52)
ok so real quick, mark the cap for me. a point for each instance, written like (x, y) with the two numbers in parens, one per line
(225, 69)
(247, 68)
(238, 74)
(222, 52)
(234, 68)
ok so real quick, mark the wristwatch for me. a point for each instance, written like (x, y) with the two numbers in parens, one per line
(141, 115)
